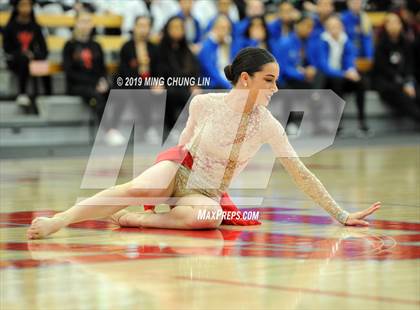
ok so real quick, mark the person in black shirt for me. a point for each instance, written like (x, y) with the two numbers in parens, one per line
(84, 66)
(23, 43)
(393, 69)
(137, 59)
(175, 60)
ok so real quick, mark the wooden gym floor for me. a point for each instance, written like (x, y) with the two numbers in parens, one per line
(298, 259)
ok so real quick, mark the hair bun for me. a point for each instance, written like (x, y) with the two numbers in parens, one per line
(228, 72)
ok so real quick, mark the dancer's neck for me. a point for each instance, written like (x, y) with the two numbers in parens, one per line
(239, 100)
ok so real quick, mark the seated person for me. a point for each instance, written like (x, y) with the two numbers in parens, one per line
(84, 67)
(256, 35)
(192, 25)
(283, 24)
(217, 52)
(295, 54)
(337, 63)
(393, 70)
(24, 42)
(358, 28)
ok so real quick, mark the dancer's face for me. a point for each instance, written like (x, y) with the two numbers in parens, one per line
(262, 84)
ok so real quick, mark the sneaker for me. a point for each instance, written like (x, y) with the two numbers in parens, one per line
(23, 100)
(114, 138)
(364, 133)
(152, 136)
(292, 129)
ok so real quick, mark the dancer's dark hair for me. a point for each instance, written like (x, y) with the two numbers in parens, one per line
(249, 60)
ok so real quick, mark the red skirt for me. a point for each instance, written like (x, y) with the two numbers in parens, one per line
(182, 156)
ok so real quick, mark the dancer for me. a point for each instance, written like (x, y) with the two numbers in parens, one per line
(223, 132)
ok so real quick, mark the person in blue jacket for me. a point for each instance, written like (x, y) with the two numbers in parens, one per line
(192, 26)
(216, 52)
(255, 35)
(283, 24)
(358, 28)
(295, 54)
(253, 8)
(324, 9)
(337, 63)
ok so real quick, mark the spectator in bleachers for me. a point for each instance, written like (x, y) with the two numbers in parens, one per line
(295, 54)
(23, 43)
(207, 11)
(84, 66)
(283, 24)
(192, 25)
(358, 28)
(337, 63)
(257, 35)
(411, 26)
(253, 8)
(137, 59)
(159, 10)
(175, 60)
(324, 9)
(393, 69)
(217, 52)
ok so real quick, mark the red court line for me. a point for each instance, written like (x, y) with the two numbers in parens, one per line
(305, 290)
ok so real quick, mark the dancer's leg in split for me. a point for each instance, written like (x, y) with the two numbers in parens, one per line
(156, 181)
(184, 216)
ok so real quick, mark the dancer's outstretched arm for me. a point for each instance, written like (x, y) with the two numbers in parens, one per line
(312, 187)
(306, 180)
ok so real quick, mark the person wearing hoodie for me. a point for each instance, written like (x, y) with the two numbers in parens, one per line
(23, 43)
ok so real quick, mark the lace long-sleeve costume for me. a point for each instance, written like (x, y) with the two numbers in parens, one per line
(211, 133)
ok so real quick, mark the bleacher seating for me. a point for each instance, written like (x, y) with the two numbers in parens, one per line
(70, 113)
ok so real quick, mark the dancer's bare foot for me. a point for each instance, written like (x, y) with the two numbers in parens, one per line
(44, 226)
(124, 218)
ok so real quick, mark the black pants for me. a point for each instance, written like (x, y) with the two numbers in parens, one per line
(176, 100)
(315, 84)
(142, 107)
(95, 100)
(393, 95)
(19, 65)
(342, 86)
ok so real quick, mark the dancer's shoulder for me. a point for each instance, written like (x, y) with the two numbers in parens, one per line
(205, 102)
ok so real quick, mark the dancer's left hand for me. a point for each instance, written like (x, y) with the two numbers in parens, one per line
(356, 218)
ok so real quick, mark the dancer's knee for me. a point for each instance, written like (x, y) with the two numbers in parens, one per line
(194, 221)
